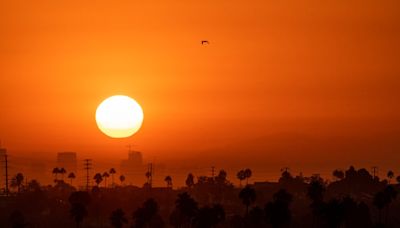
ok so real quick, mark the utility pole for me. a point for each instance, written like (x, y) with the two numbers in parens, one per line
(6, 166)
(213, 171)
(374, 171)
(87, 166)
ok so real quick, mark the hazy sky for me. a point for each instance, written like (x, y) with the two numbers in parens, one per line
(283, 83)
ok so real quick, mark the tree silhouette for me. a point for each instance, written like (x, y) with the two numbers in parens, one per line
(334, 213)
(98, 178)
(17, 181)
(315, 192)
(185, 211)
(118, 218)
(79, 201)
(122, 179)
(105, 176)
(168, 180)
(112, 172)
(248, 196)
(338, 174)
(71, 176)
(247, 173)
(221, 177)
(241, 175)
(62, 171)
(256, 217)
(147, 215)
(190, 180)
(55, 172)
(390, 175)
(209, 217)
(17, 219)
(380, 201)
(277, 211)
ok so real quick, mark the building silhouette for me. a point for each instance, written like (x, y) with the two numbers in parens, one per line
(133, 167)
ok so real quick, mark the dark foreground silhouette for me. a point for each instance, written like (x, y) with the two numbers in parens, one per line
(354, 199)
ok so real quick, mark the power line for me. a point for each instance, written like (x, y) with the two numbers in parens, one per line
(87, 163)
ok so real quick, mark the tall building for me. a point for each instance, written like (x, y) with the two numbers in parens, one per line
(133, 167)
(68, 161)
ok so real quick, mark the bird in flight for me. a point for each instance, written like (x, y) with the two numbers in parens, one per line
(204, 42)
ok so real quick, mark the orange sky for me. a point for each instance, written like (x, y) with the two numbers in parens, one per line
(283, 83)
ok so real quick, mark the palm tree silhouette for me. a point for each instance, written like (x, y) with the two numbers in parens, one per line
(168, 180)
(190, 180)
(390, 175)
(185, 211)
(71, 176)
(334, 212)
(122, 179)
(221, 177)
(17, 181)
(315, 192)
(98, 178)
(147, 215)
(118, 218)
(241, 175)
(248, 196)
(278, 211)
(247, 173)
(17, 219)
(56, 171)
(105, 176)
(209, 217)
(62, 171)
(112, 172)
(380, 201)
(79, 201)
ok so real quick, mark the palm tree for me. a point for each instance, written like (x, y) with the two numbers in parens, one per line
(147, 215)
(209, 217)
(221, 177)
(62, 171)
(98, 178)
(112, 172)
(380, 201)
(390, 175)
(247, 173)
(17, 219)
(71, 176)
(186, 209)
(241, 176)
(278, 211)
(17, 181)
(78, 212)
(398, 179)
(105, 176)
(79, 201)
(122, 179)
(315, 192)
(190, 180)
(56, 171)
(248, 196)
(118, 218)
(168, 180)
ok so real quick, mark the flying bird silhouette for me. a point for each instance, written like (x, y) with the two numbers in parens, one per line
(204, 42)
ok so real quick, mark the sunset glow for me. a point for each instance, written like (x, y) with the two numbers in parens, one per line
(119, 116)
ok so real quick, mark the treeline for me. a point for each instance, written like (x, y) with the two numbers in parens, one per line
(354, 199)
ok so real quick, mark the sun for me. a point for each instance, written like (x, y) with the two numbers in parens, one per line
(119, 116)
